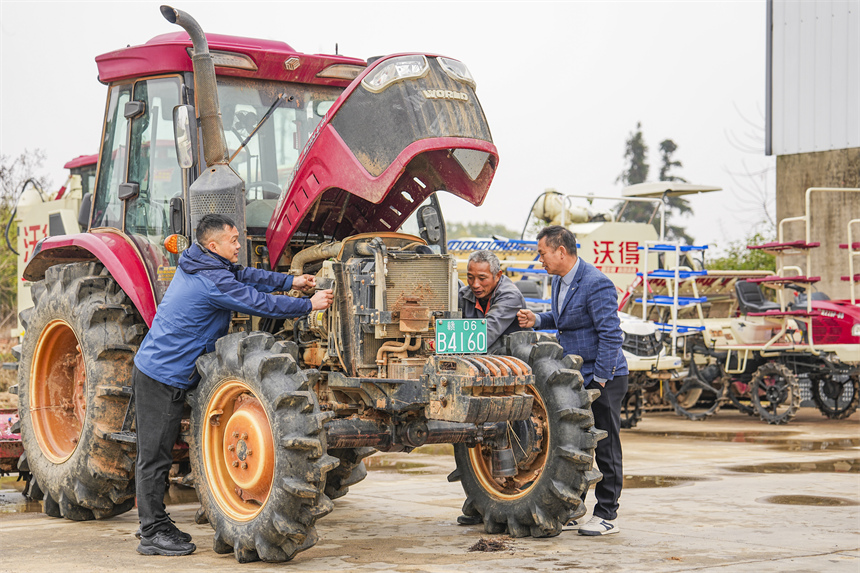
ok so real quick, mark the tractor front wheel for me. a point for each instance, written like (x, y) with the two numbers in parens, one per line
(258, 449)
(553, 450)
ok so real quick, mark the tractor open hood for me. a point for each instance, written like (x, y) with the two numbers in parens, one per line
(383, 148)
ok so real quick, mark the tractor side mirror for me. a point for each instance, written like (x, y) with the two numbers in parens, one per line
(185, 135)
(429, 225)
(84, 212)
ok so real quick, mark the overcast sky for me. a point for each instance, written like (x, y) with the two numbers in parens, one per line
(562, 84)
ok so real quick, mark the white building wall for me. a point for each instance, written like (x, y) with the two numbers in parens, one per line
(815, 75)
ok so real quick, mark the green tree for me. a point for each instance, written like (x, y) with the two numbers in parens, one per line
(636, 156)
(462, 230)
(739, 258)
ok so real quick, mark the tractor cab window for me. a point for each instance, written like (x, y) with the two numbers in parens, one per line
(107, 208)
(152, 165)
(267, 160)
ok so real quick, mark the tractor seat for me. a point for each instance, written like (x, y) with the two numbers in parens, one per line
(750, 298)
(530, 289)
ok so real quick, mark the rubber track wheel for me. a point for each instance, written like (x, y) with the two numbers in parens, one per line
(284, 525)
(97, 479)
(543, 507)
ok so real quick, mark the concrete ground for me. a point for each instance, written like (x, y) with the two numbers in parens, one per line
(727, 494)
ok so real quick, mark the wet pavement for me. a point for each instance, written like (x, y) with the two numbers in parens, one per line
(727, 494)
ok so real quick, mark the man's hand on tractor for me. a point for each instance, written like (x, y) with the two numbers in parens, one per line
(304, 282)
(526, 318)
(322, 299)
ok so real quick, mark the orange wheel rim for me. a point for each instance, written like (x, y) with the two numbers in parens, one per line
(238, 450)
(57, 393)
(519, 485)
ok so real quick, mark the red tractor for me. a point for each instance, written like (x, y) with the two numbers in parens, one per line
(320, 160)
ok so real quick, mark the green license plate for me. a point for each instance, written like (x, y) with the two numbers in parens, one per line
(461, 336)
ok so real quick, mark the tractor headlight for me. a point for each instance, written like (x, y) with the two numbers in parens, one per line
(394, 70)
(457, 70)
(855, 330)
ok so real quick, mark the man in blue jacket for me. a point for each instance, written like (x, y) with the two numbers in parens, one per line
(195, 312)
(585, 312)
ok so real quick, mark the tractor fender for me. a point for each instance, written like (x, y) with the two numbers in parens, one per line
(110, 247)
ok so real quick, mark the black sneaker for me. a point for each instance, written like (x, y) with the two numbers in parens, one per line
(165, 543)
(186, 537)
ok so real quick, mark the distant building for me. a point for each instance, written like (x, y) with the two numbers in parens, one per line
(813, 122)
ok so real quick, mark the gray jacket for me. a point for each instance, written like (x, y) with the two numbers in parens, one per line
(505, 301)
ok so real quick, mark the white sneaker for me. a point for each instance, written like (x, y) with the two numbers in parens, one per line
(573, 524)
(599, 526)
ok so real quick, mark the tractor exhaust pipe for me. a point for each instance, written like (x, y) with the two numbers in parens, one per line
(214, 142)
(218, 189)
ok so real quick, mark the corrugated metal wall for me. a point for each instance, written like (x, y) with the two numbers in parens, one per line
(814, 75)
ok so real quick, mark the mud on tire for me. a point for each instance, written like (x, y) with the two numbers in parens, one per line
(258, 449)
(554, 454)
(76, 357)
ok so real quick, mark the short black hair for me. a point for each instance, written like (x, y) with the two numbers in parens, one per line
(557, 236)
(211, 224)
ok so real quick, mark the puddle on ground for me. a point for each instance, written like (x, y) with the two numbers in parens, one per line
(434, 450)
(636, 482)
(817, 500)
(823, 466)
(383, 464)
(777, 439)
(15, 502)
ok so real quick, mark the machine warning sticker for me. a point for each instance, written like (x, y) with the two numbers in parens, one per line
(461, 336)
(166, 273)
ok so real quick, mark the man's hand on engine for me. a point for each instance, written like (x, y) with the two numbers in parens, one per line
(304, 282)
(322, 299)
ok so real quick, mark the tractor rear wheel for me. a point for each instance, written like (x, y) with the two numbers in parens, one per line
(553, 450)
(258, 449)
(76, 357)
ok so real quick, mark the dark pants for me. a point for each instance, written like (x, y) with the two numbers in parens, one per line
(158, 411)
(607, 416)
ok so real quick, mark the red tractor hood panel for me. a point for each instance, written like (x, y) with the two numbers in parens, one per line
(379, 153)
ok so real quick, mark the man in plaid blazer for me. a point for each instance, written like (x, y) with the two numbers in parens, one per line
(585, 312)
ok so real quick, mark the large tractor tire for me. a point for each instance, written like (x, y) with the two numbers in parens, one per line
(775, 393)
(350, 471)
(258, 449)
(553, 450)
(836, 396)
(76, 357)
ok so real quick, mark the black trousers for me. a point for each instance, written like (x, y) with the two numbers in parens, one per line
(607, 416)
(158, 411)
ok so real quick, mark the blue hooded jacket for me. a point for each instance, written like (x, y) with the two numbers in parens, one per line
(197, 308)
